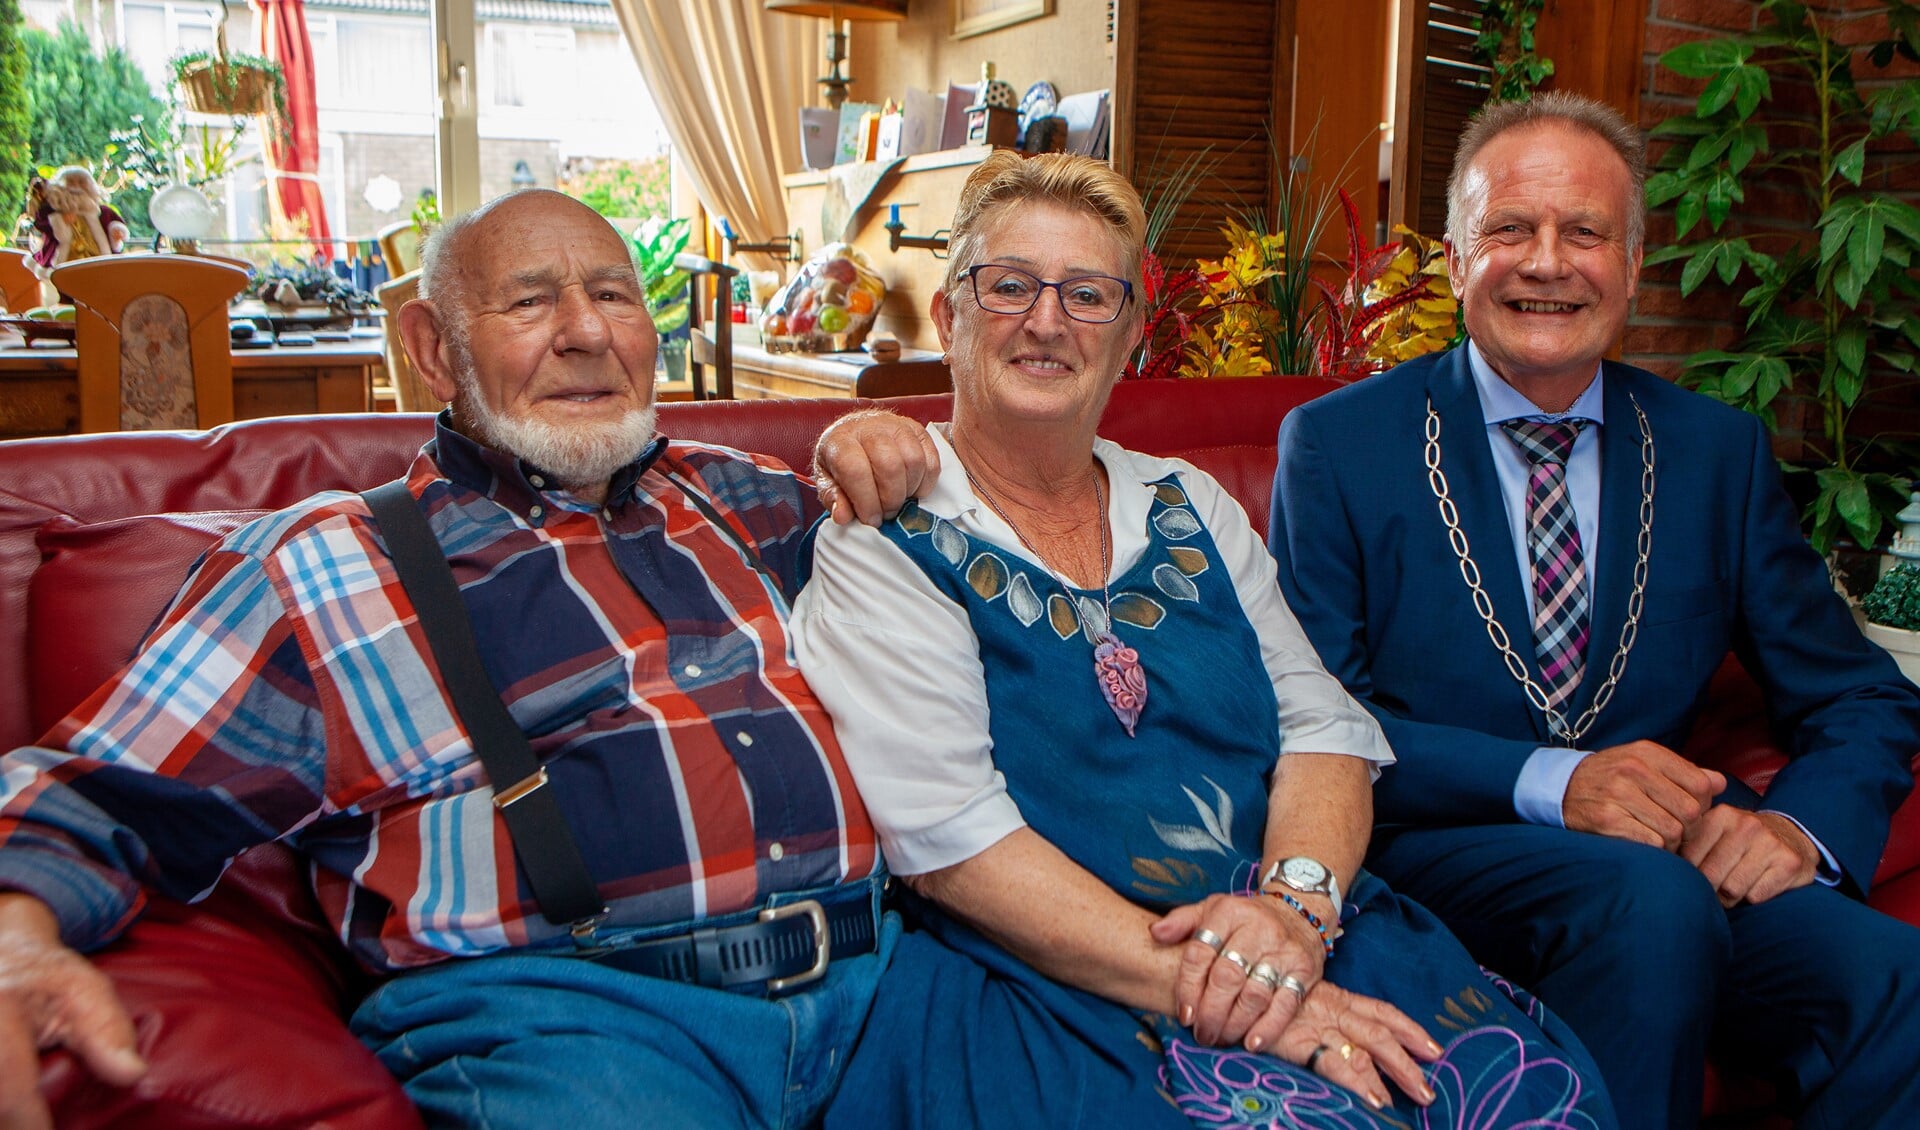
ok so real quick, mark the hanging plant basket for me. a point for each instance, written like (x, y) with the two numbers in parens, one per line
(229, 87)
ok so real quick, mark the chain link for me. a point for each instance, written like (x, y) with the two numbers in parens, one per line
(1483, 603)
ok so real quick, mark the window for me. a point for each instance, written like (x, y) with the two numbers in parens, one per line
(529, 67)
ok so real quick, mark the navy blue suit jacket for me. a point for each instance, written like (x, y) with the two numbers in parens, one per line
(1365, 564)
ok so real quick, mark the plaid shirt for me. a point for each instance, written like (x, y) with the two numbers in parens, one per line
(289, 694)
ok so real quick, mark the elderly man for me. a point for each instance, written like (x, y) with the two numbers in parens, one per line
(1535, 620)
(628, 599)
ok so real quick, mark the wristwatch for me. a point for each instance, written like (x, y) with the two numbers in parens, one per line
(1308, 876)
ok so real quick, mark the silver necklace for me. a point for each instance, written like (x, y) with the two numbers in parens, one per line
(1116, 667)
(1483, 604)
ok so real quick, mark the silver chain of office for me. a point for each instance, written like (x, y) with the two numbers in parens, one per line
(1483, 604)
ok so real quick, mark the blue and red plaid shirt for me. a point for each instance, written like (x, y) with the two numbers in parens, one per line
(288, 694)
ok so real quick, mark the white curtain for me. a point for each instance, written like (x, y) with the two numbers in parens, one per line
(729, 78)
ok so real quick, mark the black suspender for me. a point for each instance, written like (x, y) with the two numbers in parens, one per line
(546, 849)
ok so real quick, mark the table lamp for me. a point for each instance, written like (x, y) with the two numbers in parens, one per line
(837, 15)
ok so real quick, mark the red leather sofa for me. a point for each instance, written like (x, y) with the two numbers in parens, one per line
(238, 1000)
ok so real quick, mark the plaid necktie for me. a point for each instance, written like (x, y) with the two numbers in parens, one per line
(1559, 569)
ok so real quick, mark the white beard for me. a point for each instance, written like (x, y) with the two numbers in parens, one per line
(578, 456)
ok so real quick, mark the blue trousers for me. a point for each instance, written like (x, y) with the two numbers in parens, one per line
(524, 1040)
(1630, 947)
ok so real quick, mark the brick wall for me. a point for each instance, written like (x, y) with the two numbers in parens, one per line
(1666, 328)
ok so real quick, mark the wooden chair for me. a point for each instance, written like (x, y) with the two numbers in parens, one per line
(19, 286)
(152, 338)
(400, 247)
(410, 392)
(716, 351)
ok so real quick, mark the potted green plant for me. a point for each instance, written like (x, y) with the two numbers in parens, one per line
(1893, 607)
(1833, 308)
(656, 244)
(231, 83)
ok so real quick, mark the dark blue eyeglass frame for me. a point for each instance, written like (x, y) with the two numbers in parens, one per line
(1041, 286)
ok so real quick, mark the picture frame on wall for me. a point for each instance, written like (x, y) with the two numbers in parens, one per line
(971, 17)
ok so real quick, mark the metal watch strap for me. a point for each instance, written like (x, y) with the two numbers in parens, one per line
(548, 854)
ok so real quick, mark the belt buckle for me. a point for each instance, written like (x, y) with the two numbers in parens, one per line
(822, 944)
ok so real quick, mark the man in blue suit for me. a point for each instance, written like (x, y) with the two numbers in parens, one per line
(1529, 561)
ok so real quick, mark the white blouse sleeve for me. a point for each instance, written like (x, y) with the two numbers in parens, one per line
(897, 665)
(1317, 715)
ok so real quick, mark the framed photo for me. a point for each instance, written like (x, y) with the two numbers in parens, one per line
(971, 17)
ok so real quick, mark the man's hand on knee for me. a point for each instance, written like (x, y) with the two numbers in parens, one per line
(1641, 791)
(51, 996)
(869, 463)
(1750, 856)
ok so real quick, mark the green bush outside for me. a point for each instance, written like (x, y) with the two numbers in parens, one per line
(78, 100)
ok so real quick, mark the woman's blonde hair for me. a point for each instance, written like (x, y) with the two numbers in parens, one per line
(1006, 178)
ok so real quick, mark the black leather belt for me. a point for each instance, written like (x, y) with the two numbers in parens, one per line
(785, 948)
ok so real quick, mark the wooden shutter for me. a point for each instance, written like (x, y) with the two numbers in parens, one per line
(1439, 88)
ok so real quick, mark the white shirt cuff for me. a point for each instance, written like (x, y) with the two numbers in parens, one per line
(1542, 785)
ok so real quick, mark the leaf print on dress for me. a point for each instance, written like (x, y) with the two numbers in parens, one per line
(951, 543)
(1187, 559)
(1170, 494)
(1022, 602)
(987, 577)
(915, 520)
(1175, 583)
(1177, 525)
(1061, 615)
(1215, 831)
(1138, 610)
(1094, 616)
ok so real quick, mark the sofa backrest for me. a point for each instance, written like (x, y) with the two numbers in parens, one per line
(98, 531)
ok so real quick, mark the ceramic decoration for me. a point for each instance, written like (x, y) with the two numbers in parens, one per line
(1038, 102)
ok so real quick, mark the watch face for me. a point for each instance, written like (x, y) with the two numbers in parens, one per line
(1303, 874)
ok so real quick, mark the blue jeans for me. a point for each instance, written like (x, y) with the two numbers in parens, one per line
(525, 1039)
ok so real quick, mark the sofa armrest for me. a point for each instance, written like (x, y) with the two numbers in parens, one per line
(237, 1005)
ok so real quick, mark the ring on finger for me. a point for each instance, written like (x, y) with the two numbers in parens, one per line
(1209, 939)
(1265, 974)
(1313, 1059)
(1293, 985)
(1235, 959)
(1346, 1051)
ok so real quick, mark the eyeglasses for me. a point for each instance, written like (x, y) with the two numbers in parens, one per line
(1001, 289)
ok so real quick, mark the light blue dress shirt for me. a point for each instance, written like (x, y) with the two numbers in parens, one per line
(1542, 784)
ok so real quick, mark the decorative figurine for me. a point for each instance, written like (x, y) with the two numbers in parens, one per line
(71, 220)
(993, 118)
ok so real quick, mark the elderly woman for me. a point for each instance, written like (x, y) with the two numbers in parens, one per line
(1129, 801)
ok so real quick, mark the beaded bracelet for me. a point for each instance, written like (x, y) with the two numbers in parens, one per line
(1313, 919)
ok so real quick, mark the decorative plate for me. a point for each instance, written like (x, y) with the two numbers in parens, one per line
(1038, 102)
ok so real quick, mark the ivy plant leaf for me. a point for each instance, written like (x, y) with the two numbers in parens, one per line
(1707, 150)
(1723, 192)
(1751, 87)
(1685, 125)
(1686, 213)
(1744, 143)
(1835, 226)
(1897, 109)
(1901, 362)
(1706, 58)
(1740, 376)
(1854, 503)
(1666, 254)
(1696, 270)
(1719, 92)
(1851, 162)
(1850, 348)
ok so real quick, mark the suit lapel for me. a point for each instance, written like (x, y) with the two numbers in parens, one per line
(1619, 533)
(1475, 489)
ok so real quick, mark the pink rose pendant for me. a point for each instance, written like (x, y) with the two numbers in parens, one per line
(1122, 680)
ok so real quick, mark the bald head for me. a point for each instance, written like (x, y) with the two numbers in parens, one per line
(448, 260)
